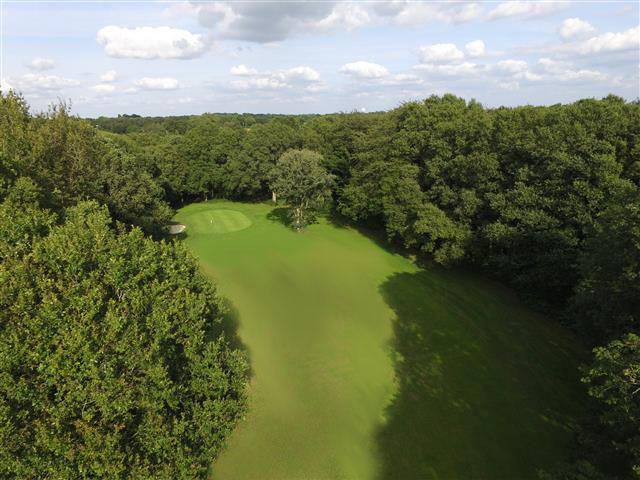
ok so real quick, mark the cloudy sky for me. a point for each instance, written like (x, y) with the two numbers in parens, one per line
(163, 57)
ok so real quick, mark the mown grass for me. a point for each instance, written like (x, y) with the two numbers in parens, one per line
(366, 366)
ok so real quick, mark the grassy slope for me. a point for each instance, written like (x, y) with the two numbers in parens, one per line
(367, 367)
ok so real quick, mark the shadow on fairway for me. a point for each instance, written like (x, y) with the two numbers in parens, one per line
(280, 215)
(478, 390)
(229, 328)
(336, 219)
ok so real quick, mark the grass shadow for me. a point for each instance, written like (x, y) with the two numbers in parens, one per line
(280, 215)
(228, 327)
(376, 234)
(481, 391)
(336, 219)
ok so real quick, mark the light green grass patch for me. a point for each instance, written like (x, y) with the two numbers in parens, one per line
(367, 367)
(217, 221)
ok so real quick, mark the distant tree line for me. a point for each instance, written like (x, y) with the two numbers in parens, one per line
(546, 199)
(133, 123)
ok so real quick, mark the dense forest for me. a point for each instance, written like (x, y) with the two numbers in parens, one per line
(544, 199)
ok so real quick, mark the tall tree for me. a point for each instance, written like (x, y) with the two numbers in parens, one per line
(248, 170)
(300, 180)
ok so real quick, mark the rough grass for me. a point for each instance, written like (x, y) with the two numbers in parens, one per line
(368, 367)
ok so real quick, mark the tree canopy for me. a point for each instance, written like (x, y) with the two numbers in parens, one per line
(112, 364)
(300, 180)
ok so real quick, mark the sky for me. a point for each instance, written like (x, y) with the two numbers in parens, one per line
(188, 57)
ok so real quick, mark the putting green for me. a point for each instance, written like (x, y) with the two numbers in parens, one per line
(218, 221)
(367, 367)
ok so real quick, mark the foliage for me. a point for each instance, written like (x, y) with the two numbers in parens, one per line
(300, 180)
(134, 199)
(614, 381)
(69, 162)
(262, 146)
(607, 299)
(111, 362)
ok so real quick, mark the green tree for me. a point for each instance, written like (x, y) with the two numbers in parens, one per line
(300, 180)
(15, 143)
(204, 151)
(112, 361)
(248, 170)
(133, 198)
(613, 380)
(607, 299)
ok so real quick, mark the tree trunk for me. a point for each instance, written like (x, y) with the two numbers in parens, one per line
(298, 218)
(274, 197)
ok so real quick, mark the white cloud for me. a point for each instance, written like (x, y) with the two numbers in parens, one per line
(180, 9)
(518, 69)
(32, 82)
(109, 76)
(573, 28)
(609, 42)
(421, 13)
(243, 71)
(475, 48)
(151, 42)
(148, 83)
(103, 88)
(532, 77)
(564, 72)
(527, 9)
(296, 76)
(5, 86)
(364, 70)
(440, 52)
(468, 12)
(306, 74)
(347, 16)
(41, 64)
(512, 66)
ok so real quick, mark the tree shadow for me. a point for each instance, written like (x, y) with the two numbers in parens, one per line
(481, 392)
(377, 235)
(228, 327)
(280, 215)
(336, 219)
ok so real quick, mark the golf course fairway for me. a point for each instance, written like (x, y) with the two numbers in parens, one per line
(365, 366)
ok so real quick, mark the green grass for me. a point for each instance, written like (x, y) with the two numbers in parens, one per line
(218, 221)
(368, 367)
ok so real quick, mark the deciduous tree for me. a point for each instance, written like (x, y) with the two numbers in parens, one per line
(300, 180)
(112, 362)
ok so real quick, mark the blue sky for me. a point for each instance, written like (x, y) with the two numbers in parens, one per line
(166, 57)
